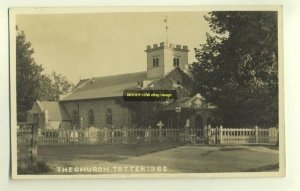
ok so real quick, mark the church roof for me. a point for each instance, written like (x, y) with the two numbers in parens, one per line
(55, 110)
(113, 86)
(103, 87)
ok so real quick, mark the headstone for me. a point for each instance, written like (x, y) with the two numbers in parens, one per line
(160, 125)
(74, 136)
(187, 123)
(81, 122)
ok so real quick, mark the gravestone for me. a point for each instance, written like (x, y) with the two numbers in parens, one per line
(125, 135)
(160, 125)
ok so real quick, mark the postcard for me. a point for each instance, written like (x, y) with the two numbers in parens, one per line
(147, 92)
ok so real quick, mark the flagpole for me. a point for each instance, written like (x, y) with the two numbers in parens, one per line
(166, 27)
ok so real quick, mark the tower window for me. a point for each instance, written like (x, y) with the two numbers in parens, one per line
(176, 62)
(155, 62)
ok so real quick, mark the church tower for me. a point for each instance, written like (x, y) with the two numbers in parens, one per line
(164, 58)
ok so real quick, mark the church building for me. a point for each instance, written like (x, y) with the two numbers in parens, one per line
(98, 102)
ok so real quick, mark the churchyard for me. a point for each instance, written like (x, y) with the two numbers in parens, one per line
(159, 150)
(162, 158)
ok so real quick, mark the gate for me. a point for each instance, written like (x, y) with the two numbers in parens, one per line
(199, 133)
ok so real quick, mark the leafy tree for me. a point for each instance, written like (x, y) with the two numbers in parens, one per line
(31, 83)
(237, 67)
(148, 112)
(59, 85)
(28, 74)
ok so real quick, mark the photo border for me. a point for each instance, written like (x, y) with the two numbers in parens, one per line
(12, 67)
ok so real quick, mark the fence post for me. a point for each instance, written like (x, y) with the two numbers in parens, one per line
(220, 134)
(256, 134)
(34, 142)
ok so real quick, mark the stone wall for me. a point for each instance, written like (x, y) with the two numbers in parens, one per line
(120, 115)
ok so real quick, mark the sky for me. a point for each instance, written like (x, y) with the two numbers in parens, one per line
(86, 45)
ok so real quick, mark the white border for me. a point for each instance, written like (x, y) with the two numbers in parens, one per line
(291, 12)
(12, 18)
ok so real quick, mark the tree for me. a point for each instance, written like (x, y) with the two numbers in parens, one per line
(237, 67)
(59, 85)
(31, 83)
(28, 74)
(148, 112)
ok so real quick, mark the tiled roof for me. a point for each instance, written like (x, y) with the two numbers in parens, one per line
(113, 86)
(103, 87)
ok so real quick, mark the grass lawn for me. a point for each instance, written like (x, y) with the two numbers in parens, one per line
(101, 152)
(187, 159)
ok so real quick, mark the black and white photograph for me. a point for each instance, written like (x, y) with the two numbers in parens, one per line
(152, 92)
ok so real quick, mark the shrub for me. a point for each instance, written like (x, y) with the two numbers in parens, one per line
(32, 167)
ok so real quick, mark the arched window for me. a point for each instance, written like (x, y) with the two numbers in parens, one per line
(177, 62)
(108, 117)
(91, 118)
(174, 62)
(75, 118)
(133, 118)
(154, 62)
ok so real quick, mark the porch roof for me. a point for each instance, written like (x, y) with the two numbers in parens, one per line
(55, 110)
(195, 102)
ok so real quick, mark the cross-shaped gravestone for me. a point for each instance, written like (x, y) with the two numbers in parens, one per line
(160, 124)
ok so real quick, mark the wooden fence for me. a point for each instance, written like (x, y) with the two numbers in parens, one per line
(248, 135)
(107, 136)
(208, 135)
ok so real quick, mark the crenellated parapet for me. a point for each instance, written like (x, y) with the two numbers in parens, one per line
(163, 45)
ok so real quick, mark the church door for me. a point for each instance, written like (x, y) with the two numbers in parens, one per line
(199, 127)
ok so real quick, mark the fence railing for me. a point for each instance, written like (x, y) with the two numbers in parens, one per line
(106, 136)
(249, 135)
(207, 135)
